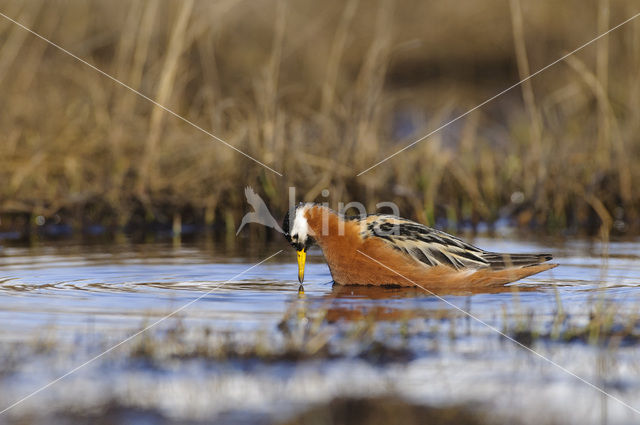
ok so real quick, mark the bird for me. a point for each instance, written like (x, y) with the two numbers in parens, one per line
(386, 250)
(261, 215)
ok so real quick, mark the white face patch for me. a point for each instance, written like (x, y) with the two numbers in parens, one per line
(300, 227)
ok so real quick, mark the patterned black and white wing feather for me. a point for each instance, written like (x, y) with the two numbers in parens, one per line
(433, 247)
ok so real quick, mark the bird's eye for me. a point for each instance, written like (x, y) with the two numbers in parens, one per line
(294, 237)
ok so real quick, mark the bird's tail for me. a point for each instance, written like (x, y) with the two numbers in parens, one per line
(490, 277)
(499, 261)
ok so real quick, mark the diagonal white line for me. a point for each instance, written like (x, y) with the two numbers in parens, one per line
(500, 94)
(213, 136)
(162, 319)
(477, 319)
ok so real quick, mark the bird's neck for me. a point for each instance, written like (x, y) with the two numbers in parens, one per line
(328, 227)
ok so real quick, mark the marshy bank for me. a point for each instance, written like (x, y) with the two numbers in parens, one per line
(319, 93)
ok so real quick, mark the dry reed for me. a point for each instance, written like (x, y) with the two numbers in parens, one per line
(319, 93)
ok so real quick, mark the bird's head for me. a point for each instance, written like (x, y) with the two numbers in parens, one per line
(297, 232)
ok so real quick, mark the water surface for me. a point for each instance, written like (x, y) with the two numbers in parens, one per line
(252, 349)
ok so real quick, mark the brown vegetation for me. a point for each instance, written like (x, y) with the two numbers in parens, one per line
(320, 92)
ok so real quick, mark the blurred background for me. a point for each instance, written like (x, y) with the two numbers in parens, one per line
(318, 91)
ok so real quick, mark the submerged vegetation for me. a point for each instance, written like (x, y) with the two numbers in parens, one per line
(319, 92)
(304, 338)
(307, 333)
(159, 333)
(340, 411)
(386, 410)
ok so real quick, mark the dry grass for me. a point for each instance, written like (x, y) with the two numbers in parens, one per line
(320, 92)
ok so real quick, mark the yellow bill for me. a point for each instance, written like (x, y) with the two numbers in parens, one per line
(302, 257)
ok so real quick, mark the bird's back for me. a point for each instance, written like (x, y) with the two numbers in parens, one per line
(433, 247)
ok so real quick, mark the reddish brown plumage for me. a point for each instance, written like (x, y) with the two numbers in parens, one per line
(354, 260)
